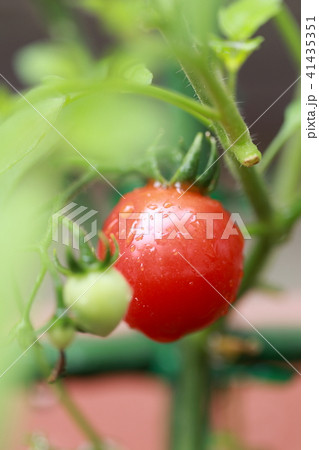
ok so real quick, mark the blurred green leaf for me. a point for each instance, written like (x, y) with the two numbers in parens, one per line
(45, 61)
(112, 131)
(290, 125)
(234, 54)
(242, 18)
(22, 132)
(292, 117)
(7, 102)
(120, 17)
(199, 16)
(124, 66)
(42, 59)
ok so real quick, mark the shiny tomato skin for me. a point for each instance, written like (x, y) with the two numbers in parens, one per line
(170, 297)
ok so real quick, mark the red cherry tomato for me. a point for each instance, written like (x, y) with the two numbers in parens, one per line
(170, 297)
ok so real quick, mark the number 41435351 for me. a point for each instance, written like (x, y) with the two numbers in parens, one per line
(310, 45)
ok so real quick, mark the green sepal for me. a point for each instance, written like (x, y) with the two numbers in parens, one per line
(64, 270)
(109, 257)
(87, 254)
(210, 176)
(189, 167)
(116, 252)
(152, 162)
(73, 264)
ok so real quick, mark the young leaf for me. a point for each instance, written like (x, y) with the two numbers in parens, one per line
(241, 19)
(123, 66)
(234, 54)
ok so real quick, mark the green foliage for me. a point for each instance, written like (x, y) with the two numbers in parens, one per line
(120, 17)
(242, 18)
(292, 118)
(234, 54)
(22, 132)
(64, 59)
(290, 126)
(126, 67)
(100, 122)
(7, 102)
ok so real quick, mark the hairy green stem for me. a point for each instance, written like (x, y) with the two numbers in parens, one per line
(232, 82)
(230, 129)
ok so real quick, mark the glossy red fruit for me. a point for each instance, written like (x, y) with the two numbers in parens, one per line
(171, 298)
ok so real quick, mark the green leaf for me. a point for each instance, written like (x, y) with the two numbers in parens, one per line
(234, 54)
(42, 59)
(241, 19)
(123, 66)
(111, 131)
(121, 17)
(290, 125)
(292, 117)
(21, 133)
(7, 102)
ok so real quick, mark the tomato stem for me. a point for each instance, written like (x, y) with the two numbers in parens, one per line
(192, 395)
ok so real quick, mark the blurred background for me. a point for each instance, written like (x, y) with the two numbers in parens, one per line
(256, 399)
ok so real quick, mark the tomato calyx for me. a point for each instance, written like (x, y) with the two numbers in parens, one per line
(87, 260)
(199, 167)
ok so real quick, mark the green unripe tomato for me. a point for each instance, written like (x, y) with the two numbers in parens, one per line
(61, 334)
(98, 301)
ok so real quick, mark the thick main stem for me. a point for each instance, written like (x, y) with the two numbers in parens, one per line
(230, 129)
(192, 395)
